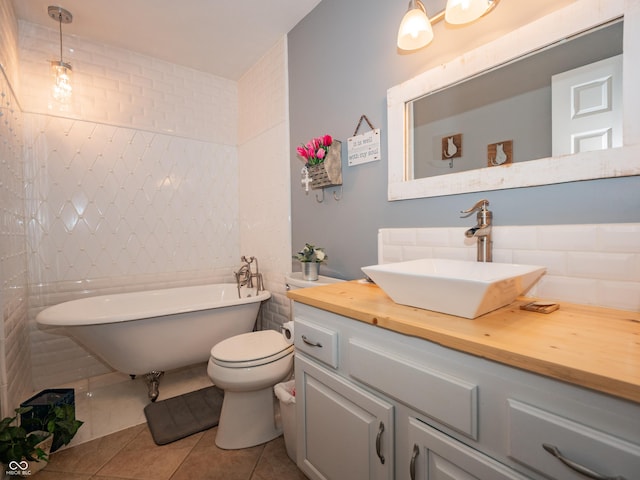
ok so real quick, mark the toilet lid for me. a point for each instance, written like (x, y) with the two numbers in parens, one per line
(250, 347)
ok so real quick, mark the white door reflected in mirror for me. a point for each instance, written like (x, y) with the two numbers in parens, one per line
(587, 108)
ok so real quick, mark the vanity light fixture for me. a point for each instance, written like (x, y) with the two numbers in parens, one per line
(415, 29)
(61, 70)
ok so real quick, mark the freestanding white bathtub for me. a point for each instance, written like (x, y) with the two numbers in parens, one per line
(153, 331)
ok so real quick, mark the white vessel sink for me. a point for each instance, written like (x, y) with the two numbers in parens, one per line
(455, 287)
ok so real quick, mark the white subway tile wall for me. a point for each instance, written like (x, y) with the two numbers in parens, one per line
(9, 46)
(587, 264)
(265, 192)
(15, 362)
(123, 88)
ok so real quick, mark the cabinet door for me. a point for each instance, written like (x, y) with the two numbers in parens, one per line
(343, 431)
(437, 456)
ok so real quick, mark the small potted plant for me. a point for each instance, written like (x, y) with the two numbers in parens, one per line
(23, 453)
(310, 257)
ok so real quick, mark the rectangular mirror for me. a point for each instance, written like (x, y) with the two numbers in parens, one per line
(494, 117)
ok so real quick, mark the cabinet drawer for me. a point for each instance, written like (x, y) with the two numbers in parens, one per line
(316, 341)
(530, 428)
(443, 397)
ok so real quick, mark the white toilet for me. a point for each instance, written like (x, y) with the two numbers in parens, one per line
(247, 367)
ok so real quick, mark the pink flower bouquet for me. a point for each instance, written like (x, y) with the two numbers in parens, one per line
(316, 150)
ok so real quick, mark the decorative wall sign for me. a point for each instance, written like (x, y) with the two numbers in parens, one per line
(365, 147)
(500, 153)
(452, 146)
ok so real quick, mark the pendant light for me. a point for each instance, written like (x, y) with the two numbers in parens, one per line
(61, 70)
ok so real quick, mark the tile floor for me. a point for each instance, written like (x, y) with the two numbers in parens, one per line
(115, 443)
(132, 454)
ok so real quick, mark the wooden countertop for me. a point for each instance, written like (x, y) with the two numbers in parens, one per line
(593, 347)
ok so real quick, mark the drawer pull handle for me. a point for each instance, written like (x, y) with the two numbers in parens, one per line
(412, 464)
(311, 342)
(379, 441)
(576, 466)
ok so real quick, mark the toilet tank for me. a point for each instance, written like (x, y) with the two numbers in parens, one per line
(295, 281)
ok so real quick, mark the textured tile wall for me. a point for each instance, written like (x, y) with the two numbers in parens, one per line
(264, 178)
(15, 363)
(587, 264)
(108, 201)
(133, 185)
(9, 45)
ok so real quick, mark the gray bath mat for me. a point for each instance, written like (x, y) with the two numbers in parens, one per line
(178, 417)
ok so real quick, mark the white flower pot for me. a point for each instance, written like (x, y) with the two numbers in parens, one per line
(27, 468)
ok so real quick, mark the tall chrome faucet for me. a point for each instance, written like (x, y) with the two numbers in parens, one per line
(482, 231)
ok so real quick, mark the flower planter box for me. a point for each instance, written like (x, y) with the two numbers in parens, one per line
(329, 172)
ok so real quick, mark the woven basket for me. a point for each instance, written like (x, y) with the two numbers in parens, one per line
(329, 172)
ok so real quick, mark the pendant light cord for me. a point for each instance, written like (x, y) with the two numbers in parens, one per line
(60, 24)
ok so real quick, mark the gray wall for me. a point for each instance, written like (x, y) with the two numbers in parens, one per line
(342, 60)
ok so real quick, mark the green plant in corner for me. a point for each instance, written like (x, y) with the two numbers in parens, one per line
(16, 444)
(62, 423)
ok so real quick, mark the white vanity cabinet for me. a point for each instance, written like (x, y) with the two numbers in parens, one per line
(445, 414)
(348, 432)
(343, 430)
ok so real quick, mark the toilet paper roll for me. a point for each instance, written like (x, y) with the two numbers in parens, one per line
(287, 332)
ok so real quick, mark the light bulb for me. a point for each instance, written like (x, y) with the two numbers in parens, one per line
(62, 88)
(465, 11)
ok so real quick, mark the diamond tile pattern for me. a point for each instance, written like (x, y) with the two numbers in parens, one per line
(106, 201)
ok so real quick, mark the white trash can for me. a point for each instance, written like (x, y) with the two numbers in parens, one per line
(286, 394)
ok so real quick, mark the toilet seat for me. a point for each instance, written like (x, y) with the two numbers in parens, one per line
(251, 349)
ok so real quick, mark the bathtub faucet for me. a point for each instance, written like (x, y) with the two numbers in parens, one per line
(245, 276)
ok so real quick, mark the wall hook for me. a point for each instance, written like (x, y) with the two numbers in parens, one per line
(320, 200)
(337, 198)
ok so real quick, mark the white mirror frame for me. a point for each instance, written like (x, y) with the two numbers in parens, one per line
(577, 17)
